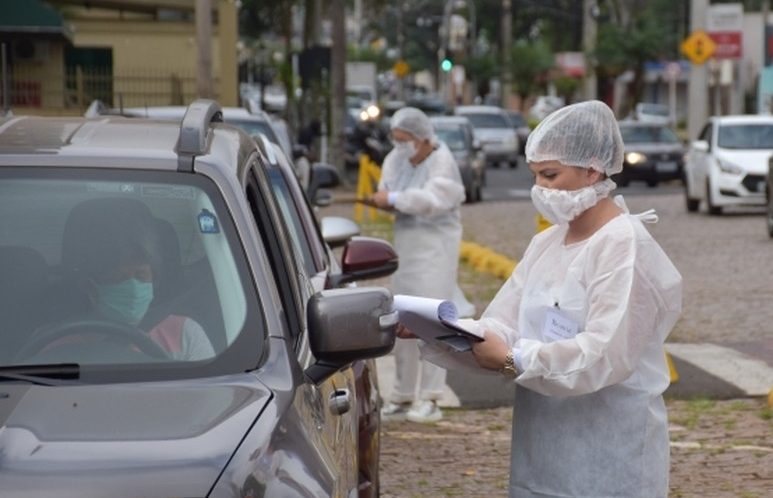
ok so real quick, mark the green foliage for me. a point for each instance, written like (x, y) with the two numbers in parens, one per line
(566, 86)
(369, 55)
(530, 62)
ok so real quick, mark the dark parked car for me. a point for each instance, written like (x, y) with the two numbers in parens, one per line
(93, 406)
(457, 133)
(769, 196)
(521, 129)
(653, 154)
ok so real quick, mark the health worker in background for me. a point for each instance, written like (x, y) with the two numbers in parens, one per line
(420, 182)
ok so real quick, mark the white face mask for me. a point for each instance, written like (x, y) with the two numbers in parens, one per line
(562, 206)
(405, 149)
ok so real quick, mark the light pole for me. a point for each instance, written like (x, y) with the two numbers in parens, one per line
(507, 39)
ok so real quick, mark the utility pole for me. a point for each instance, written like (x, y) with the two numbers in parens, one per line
(697, 94)
(338, 83)
(204, 86)
(589, 29)
(507, 43)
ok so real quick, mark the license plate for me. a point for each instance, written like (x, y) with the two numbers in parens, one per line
(666, 167)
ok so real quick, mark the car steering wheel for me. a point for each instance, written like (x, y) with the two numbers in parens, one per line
(132, 335)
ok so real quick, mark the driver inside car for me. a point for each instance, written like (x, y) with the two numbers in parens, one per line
(113, 257)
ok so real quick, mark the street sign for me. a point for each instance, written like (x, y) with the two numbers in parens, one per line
(724, 24)
(698, 47)
(401, 68)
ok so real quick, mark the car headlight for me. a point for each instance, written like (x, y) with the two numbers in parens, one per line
(728, 167)
(635, 158)
(373, 111)
(364, 116)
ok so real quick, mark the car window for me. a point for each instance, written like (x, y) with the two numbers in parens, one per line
(705, 134)
(745, 136)
(487, 120)
(648, 134)
(88, 232)
(517, 120)
(453, 137)
(253, 127)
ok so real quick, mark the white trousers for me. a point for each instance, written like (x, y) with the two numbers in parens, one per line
(409, 368)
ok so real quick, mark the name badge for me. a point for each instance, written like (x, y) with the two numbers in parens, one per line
(557, 327)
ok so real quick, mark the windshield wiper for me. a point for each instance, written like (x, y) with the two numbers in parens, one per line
(55, 374)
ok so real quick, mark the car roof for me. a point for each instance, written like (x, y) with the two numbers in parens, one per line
(449, 120)
(105, 142)
(742, 119)
(478, 109)
(632, 123)
(178, 111)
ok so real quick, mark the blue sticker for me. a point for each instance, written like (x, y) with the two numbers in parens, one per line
(208, 222)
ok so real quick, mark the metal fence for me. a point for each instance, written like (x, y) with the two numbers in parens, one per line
(75, 88)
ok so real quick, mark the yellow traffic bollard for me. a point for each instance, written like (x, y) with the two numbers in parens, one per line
(672, 369)
(542, 223)
(368, 177)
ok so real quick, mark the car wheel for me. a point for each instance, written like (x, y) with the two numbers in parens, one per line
(691, 203)
(513, 164)
(712, 208)
(652, 183)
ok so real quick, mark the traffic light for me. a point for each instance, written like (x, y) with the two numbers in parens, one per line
(446, 64)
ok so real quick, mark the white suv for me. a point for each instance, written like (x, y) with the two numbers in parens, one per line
(728, 164)
(494, 131)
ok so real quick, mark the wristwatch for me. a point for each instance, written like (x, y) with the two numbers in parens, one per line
(508, 369)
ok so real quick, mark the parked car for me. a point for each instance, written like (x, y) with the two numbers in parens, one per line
(457, 133)
(494, 131)
(521, 129)
(728, 164)
(769, 197)
(646, 112)
(653, 154)
(91, 407)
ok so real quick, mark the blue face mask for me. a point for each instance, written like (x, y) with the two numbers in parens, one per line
(126, 301)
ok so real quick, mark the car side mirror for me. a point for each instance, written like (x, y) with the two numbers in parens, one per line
(337, 230)
(322, 176)
(365, 258)
(349, 324)
(701, 145)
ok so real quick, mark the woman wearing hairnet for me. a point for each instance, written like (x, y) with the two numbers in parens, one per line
(580, 324)
(420, 181)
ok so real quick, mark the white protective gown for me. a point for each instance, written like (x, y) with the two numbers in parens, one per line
(427, 234)
(428, 228)
(589, 418)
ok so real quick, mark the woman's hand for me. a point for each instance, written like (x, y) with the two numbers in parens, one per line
(490, 353)
(404, 333)
(381, 199)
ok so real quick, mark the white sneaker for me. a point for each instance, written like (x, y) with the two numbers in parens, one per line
(424, 412)
(394, 411)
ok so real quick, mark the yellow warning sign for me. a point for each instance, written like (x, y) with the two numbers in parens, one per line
(401, 68)
(698, 47)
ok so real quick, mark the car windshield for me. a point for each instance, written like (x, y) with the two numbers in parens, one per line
(647, 135)
(453, 137)
(135, 272)
(487, 120)
(517, 120)
(746, 136)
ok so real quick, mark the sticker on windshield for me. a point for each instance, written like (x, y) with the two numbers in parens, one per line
(208, 222)
(113, 188)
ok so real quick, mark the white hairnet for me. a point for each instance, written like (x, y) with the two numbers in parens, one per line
(414, 121)
(585, 135)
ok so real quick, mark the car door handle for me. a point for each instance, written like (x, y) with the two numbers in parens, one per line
(340, 402)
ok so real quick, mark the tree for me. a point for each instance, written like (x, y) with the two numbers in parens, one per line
(637, 31)
(531, 62)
